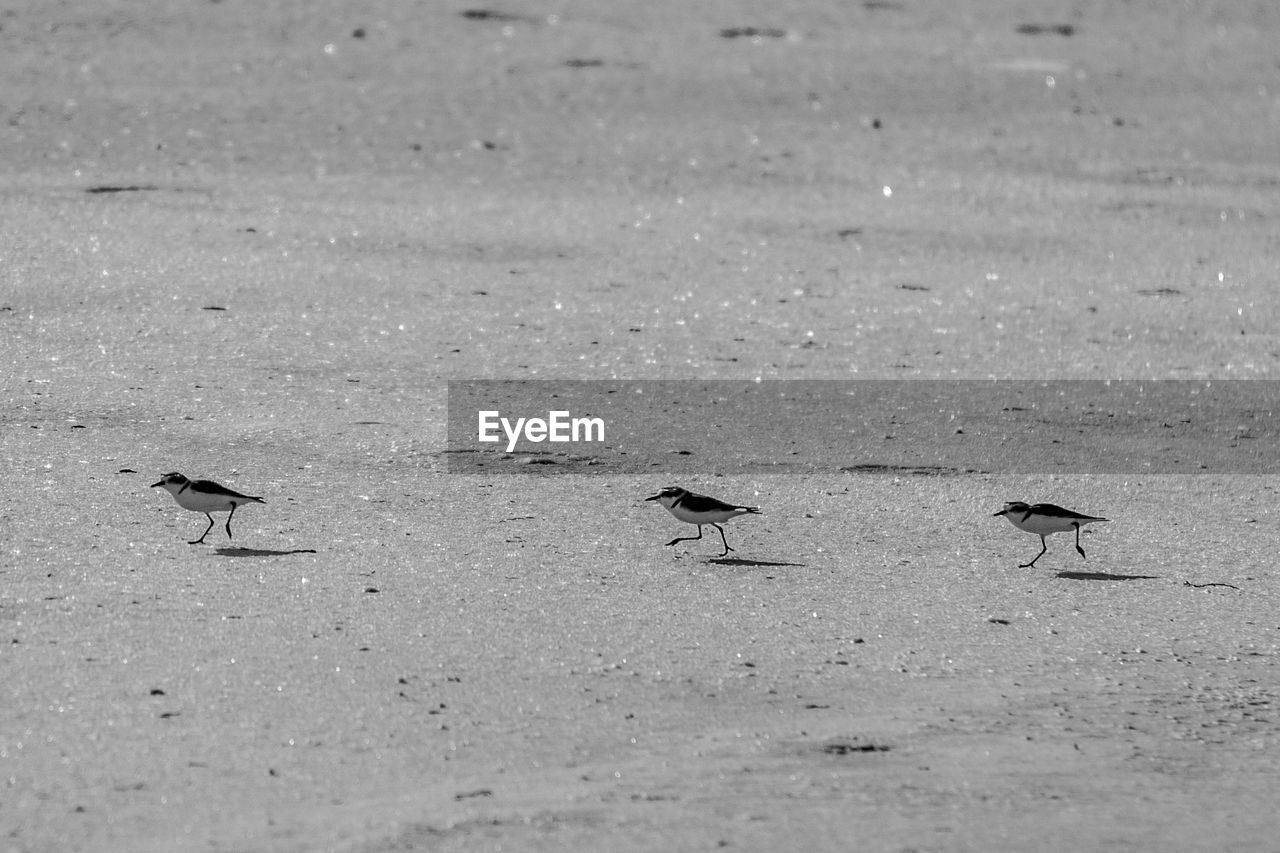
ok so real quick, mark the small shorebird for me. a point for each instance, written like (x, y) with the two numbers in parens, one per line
(699, 510)
(1043, 519)
(204, 496)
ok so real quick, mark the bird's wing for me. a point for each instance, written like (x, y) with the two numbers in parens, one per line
(211, 488)
(1055, 511)
(703, 503)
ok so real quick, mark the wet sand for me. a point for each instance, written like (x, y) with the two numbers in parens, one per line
(253, 243)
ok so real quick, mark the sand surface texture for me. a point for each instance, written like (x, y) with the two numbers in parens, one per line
(253, 242)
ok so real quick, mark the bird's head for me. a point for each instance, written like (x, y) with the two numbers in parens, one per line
(172, 481)
(668, 496)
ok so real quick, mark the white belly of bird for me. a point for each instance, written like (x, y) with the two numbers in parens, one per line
(1043, 526)
(201, 502)
(715, 517)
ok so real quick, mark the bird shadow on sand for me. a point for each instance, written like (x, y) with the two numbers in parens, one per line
(1104, 576)
(742, 561)
(260, 552)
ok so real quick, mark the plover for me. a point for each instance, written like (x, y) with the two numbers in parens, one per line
(204, 496)
(1043, 519)
(699, 510)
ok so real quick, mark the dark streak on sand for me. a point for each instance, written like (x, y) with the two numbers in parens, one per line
(132, 188)
(752, 32)
(742, 561)
(1064, 30)
(1104, 576)
(261, 552)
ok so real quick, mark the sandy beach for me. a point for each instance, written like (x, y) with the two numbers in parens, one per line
(255, 242)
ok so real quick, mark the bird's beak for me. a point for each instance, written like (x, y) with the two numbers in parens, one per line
(1001, 512)
(654, 498)
(161, 483)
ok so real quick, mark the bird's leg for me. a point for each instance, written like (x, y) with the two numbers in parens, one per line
(727, 549)
(687, 538)
(206, 531)
(229, 517)
(1043, 547)
(1078, 548)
